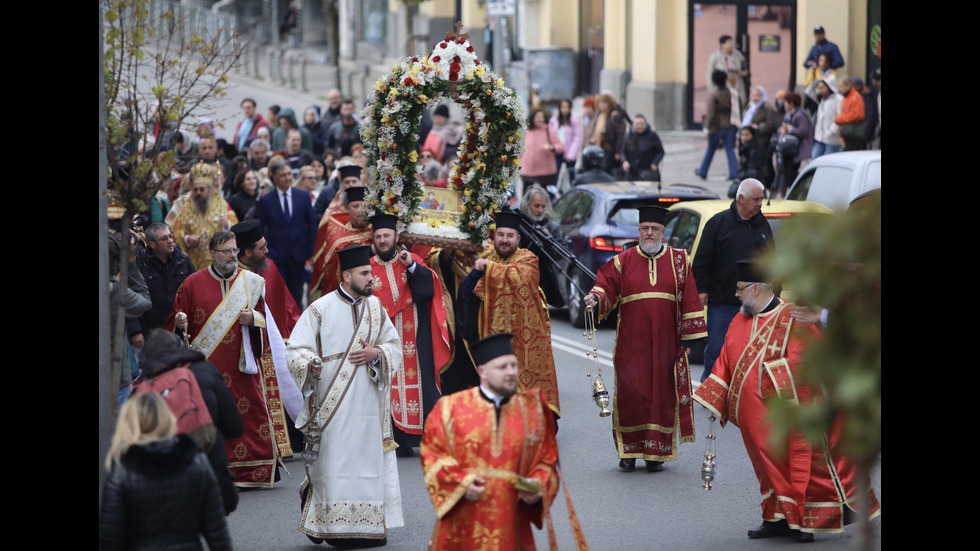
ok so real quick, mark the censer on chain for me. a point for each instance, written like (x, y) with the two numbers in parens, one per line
(599, 392)
(311, 436)
(708, 464)
(181, 319)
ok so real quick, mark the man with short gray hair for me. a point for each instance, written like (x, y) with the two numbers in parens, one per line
(734, 234)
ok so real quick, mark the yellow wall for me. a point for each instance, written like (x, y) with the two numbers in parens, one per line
(657, 27)
(559, 24)
(615, 35)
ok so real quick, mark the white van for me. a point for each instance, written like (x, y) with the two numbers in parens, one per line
(837, 179)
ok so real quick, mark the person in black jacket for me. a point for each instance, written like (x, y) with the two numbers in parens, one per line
(160, 493)
(163, 351)
(754, 160)
(738, 233)
(642, 152)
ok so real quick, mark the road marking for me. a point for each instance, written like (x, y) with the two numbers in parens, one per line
(577, 348)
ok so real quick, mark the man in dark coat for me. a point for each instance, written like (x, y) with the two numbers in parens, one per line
(738, 233)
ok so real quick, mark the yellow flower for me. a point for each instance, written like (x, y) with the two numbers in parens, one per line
(480, 70)
(413, 156)
(384, 118)
(500, 83)
(423, 98)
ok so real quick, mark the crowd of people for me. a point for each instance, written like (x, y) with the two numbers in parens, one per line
(835, 112)
(257, 265)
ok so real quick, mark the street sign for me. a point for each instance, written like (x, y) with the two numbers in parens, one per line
(500, 8)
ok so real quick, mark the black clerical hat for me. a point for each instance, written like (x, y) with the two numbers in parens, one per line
(350, 171)
(750, 271)
(657, 215)
(355, 193)
(492, 346)
(508, 220)
(247, 233)
(354, 256)
(384, 222)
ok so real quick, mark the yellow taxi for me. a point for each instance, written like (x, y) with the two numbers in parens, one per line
(686, 220)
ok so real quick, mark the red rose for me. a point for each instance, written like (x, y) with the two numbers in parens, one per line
(408, 82)
(469, 49)
(461, 40)
(456, 59)
(471, 148)
(457, 181)
(415, 60)
(454, 67)
(463, 159)
(476, 61)
(435, 59)
(443, 44)
(453, 77)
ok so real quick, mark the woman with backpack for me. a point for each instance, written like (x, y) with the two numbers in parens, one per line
(160, 492)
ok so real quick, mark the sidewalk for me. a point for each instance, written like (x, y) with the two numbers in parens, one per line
(311, 78)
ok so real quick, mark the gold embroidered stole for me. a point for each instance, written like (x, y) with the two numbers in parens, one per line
(241, 294)
(767, 343)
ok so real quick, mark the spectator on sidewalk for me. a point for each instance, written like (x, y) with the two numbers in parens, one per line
(851, 112)
(642, 152)
(826, 133)
(719, 127)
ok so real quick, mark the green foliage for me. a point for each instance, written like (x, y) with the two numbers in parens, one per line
(158, 69)
(835, 262)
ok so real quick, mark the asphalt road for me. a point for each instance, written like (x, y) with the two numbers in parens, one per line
(617, 510)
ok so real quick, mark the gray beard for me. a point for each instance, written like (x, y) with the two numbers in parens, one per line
(650, 250)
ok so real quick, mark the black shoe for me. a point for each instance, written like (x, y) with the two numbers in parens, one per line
(771, 530)
(802, 537)
(699, 175)
(654, 466)
(627, 465)
(317, 541)
(404, 451)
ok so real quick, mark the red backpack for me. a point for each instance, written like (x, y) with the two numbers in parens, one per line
(179, 388)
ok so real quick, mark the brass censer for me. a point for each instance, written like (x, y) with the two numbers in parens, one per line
(599, 392)
(181, 319)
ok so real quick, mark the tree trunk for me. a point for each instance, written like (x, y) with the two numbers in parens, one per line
(333, 38)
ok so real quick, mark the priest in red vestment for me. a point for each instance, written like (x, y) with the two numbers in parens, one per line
(227, 320)
(407, 289)
(806, 488)
(252, 251)
(660, 315)
(503, 295)
(337, 232)
(490, 459)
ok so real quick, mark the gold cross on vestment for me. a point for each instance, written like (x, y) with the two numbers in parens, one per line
(452, 36)
(774, 348)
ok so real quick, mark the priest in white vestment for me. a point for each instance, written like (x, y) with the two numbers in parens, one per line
(355, 493)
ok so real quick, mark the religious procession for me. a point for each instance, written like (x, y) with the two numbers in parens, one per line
(383, 332)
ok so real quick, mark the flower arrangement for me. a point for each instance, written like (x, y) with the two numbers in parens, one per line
(488, 152)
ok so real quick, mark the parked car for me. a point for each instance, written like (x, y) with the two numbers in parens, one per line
(686, 221)
(601, 220)
(837, 179)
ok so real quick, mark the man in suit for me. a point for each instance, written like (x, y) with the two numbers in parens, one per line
(286, 219)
